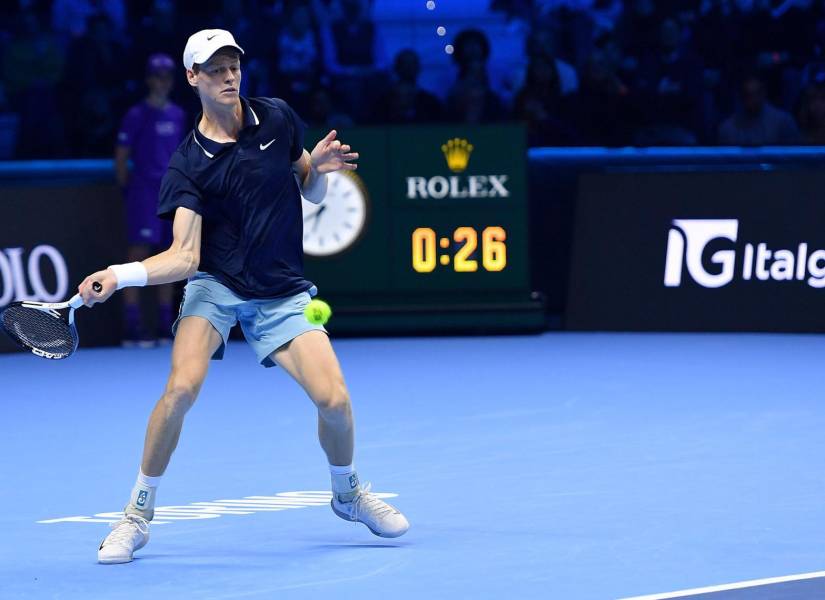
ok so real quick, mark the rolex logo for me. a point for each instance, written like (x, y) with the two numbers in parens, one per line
(457, 152)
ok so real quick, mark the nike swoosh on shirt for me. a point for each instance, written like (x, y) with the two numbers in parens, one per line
(265, 146)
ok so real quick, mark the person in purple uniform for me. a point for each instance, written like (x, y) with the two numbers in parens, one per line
(149, 134)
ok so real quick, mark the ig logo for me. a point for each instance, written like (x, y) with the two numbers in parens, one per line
(686, 242)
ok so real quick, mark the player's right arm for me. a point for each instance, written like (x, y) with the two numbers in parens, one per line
(178, 262)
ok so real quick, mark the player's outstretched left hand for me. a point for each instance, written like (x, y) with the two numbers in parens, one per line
(106, 278)
(331, 155)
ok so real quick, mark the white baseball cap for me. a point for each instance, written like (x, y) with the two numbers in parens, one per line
(203, 44)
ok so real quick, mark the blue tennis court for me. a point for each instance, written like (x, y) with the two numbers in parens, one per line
(564, 466)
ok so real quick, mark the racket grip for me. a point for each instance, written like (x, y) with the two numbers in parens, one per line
(97, 287)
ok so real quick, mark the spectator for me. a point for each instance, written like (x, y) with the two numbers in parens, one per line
(352, 42)
(321, 111)
(540, 104)
(149, 134)
(638, 28)
(718, 40)
(32, 67)
(543, 80)
(791, 39)
(816, 58)
(299, 55)
(240, 19)
(471, 100)
(542, 42)
(406, 102)
(579, 22)
(670, 86)
(326, 11)
(757, 123)
(606, 48)
(93, 93)
(471, 51)
(605, 15)
(160, 30)
(70, 18)
(521, 10)
(354, 57)
(812, 114)
(603, 111)
(100, 52)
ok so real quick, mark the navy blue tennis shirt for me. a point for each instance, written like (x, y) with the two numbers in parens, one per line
(246, 192)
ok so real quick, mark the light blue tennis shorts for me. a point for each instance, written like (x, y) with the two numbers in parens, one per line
(266, 324)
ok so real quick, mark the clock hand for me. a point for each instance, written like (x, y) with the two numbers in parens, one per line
(313, 215)
(318, 217)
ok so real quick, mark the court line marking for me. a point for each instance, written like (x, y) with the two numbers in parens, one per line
(194, 511)
(729, 586)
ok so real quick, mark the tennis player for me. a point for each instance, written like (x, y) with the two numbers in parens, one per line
(233, 189)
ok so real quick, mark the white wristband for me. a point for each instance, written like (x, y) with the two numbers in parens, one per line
(130, 275)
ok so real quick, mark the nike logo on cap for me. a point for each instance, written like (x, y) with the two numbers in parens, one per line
(209, 37)
(265, 146)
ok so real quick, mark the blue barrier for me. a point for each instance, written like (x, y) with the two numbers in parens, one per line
(676, 156)
(34, 171)
(556, 157)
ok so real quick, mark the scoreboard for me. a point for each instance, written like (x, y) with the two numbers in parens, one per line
(430, 232)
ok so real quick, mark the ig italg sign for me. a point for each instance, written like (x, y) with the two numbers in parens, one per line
(699, 252)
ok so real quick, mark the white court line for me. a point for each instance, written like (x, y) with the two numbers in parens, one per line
(730, 586)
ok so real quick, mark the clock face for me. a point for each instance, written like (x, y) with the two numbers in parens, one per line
(335, 224)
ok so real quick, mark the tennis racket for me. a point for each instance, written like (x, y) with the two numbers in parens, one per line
(45, 329)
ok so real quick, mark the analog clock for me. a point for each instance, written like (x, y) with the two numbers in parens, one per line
(336, 223)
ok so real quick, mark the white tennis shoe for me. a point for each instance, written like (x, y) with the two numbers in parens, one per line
(382, 519)
(129, 534)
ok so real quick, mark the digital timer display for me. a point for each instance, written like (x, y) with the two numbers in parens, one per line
(459, 250)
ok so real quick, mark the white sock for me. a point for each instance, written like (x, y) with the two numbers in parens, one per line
(142, 500)
(148, 481)
(345, 484)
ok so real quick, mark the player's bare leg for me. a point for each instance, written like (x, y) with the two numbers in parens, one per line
(195, 342)
(311, 361)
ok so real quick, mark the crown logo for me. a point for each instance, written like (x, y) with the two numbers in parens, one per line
(457, 152)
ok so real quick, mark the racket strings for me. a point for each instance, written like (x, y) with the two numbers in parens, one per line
(37, 329)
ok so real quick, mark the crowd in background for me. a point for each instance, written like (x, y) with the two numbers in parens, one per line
(682, 72)
(592, 72)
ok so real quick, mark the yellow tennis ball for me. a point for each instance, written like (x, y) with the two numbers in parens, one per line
(317, 312)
